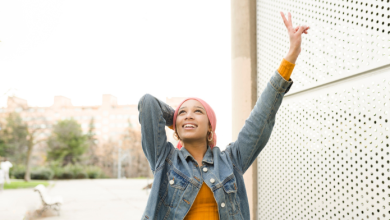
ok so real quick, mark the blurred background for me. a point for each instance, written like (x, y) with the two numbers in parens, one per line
(82, 66)
(74, 71)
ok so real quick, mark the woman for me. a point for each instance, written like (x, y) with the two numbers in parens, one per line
(196, 180)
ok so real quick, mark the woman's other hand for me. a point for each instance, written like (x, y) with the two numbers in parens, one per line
(295, 38)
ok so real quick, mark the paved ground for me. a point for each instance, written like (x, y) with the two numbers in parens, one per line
(83, 199)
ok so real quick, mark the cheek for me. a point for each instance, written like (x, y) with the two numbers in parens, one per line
(177, 125)
(205, 124)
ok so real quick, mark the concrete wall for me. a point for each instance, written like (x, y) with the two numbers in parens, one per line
(244, 80)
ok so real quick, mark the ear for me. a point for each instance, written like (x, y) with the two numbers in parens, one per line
(210, 128)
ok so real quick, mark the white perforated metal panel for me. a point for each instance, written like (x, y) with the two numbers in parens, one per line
(329, 154)
(345, 36)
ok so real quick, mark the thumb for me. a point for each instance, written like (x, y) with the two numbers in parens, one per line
(301, 29)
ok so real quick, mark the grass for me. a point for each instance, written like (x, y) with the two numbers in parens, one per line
(21, 184)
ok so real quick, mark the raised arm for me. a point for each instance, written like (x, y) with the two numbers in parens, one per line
(258, 127)
(295, 35)
(154, 115)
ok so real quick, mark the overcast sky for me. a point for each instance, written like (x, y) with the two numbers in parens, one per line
(83, 49)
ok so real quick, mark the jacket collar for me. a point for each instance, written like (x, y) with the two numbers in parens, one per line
(207, 158)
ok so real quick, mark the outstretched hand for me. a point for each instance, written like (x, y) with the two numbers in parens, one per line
(295, 37)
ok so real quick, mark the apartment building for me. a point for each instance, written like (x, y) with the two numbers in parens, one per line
(109, 118)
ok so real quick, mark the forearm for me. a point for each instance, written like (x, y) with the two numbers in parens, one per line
(153, 116)
(291, 57)
(295, 35)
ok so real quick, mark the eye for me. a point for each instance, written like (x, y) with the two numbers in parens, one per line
(181, 111)
(198, 111)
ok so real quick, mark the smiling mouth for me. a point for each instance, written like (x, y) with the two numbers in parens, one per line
(189, 127)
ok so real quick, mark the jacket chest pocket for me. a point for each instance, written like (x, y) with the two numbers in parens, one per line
(175, 189)
(231, 197)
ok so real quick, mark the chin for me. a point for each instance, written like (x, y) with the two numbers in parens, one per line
(190, 138)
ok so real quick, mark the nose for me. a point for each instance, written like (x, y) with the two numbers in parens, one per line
(189, 115)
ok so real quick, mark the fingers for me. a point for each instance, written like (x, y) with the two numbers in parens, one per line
(288, 23)
(305, 31)
(284, 20)
(297, 28)
(302, 29)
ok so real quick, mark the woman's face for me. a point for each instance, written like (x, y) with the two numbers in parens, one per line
(192, 122)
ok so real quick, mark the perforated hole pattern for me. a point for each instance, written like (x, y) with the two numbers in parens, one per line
(345, 36)
(329, 153)
(329, 157)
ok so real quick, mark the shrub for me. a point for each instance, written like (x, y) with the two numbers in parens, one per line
(18, 172)
(78, 171)
(58, 171)
(42, 173)
(67, 173)
(81, 175)
(94, 172)
(55, 171)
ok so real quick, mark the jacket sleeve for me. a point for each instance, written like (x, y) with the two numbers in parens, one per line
(154, 115)
(258, 127)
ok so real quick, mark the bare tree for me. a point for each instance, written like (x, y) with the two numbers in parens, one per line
(91, 156)
(137, 163)
(34, 138)
(106, 154)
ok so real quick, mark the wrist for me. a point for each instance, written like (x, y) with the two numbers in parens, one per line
(291, 57)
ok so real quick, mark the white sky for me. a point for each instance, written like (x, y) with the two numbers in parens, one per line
(83, 49)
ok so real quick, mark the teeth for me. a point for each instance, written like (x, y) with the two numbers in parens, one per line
(189, 126)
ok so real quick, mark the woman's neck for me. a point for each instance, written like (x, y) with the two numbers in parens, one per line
(197, 150)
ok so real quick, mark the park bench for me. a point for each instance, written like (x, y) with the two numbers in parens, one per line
(48, 202)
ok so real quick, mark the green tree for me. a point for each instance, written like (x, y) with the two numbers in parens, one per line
(17, 140)
(13, 138)
(67, 143)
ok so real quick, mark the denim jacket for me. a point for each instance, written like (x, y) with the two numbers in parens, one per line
(176, 173)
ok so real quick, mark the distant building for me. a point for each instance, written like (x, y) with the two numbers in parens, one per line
(110, 119)
(173, 102)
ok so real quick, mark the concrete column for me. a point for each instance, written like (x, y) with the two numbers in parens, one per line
(244, 80)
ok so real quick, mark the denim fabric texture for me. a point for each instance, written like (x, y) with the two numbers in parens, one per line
(177, 175)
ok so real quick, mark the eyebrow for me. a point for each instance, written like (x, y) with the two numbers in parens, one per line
(195, 107)
(199, 107)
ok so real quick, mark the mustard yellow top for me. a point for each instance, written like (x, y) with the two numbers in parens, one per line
(205, 207)
(285, 69)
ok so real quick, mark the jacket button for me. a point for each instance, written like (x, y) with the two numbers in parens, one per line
(205, 169)
(222, 205)
(171, 182)
(212, 180)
